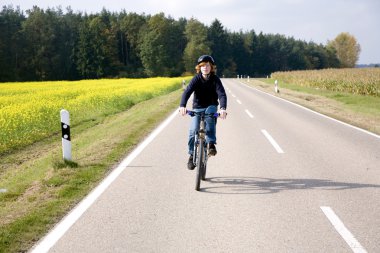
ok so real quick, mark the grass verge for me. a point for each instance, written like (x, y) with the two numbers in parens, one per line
(42, 188)
(358, 110)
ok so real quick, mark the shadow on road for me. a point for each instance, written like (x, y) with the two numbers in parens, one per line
(258, 185)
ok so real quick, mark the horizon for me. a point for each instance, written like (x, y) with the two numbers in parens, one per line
(319, 25)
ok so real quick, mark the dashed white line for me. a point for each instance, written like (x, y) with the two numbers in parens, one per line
(233, 95)
(317, 113)
(237, 100)
(249, 114)
(342, 230)
(272, 141)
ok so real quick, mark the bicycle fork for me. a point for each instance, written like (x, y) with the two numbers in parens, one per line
(200, 139)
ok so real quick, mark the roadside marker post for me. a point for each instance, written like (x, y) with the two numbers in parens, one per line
(66, 139)
(276, 87)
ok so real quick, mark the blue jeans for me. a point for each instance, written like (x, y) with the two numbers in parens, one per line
(210, 127)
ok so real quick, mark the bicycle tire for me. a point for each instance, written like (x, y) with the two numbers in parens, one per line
(195, 153)
(199, 172)
(204, 167)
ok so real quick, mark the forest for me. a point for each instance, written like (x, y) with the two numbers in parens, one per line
(57, 44)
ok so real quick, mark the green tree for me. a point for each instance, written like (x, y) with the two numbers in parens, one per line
(316, 56)
(261, 51)
(131, 27)
(86, 55)
(162, 47)
(41, 54)
(347, 49)
(196, 35)
(68, 38)
(10, 43)
(296, 59)
(51, 45)
(332, 59)
(238, 62)
(98, 47)
(218, 39)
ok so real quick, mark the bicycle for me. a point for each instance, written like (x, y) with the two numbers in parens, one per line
(200, 154)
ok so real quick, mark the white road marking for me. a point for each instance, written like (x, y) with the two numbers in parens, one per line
(272, 141)
(233, 95)
(237, 100)
(249, 114)
(342, 230)
(320, 114)
(61, 228)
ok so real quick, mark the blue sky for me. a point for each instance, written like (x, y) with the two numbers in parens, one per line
(309, 20)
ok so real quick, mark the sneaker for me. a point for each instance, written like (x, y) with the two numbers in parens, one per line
(211, 149)
(190, 164)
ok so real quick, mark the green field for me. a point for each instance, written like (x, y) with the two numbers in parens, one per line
(365, 81)
(40, 186)
(30, 111)
(349, 95)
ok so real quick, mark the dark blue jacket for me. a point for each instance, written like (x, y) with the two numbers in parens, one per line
(206, 93)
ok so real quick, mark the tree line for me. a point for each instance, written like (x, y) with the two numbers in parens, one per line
(55, 45)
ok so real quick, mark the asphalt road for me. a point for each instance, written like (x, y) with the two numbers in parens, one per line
(285, 179)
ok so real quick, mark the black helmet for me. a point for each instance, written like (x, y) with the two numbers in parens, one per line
(206, 58)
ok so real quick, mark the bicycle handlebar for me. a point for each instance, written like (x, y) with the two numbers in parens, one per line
(192, 114)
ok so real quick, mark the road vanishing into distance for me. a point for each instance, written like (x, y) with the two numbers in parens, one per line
(285, 179)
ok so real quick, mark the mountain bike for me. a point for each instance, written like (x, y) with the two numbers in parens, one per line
(200, 154)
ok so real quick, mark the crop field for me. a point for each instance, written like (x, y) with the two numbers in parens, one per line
(30, 111)
(364, 81)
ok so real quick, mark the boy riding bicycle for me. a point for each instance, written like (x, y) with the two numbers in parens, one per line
(208, 89)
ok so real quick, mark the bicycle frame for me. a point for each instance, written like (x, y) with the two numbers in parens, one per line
(200, 155)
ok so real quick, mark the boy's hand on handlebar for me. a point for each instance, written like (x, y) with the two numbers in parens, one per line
(182, 111)
(223, 114)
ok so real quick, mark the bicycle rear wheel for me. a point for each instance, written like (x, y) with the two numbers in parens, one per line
(200, 161)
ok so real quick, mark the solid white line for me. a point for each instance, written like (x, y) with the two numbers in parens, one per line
(60, 229)
(320, 114)
(272, 141)
(249, 114)
(342, 230)
(237, 100)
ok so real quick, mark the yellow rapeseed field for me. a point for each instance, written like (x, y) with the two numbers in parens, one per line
(363, 81)
(30, 111)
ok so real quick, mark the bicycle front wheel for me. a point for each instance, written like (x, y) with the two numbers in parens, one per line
(204, 167)
(200, 161)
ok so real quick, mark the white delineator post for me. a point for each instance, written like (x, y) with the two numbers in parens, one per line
(276, 87)
(66, 139)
